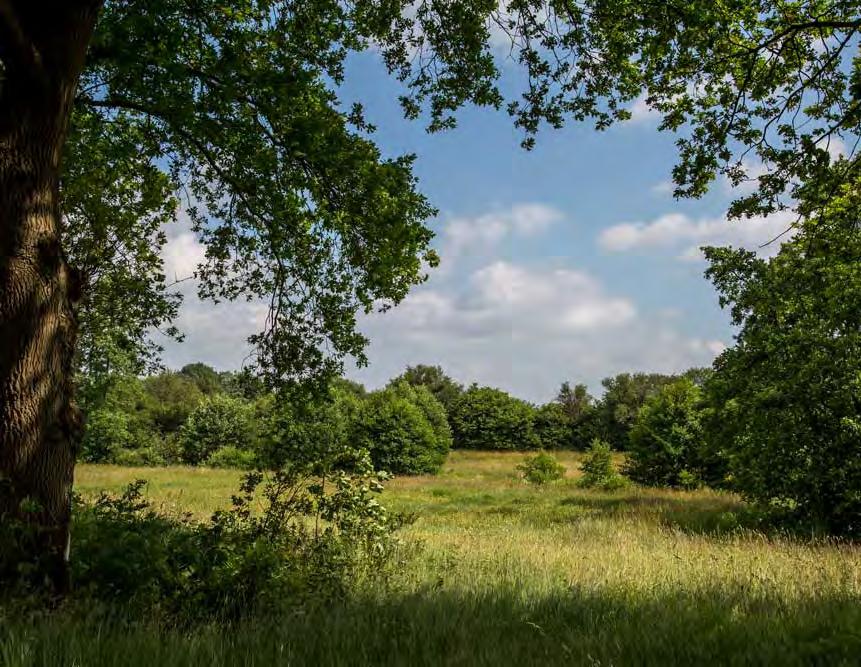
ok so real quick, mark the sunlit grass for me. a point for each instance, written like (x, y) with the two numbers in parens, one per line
(509, 573)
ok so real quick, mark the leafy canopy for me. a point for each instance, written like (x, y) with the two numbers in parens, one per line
(233, 106)
(787, 395)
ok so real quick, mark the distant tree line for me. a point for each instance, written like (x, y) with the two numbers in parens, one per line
(199, 416)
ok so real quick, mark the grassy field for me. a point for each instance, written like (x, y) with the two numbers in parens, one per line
(509, 574)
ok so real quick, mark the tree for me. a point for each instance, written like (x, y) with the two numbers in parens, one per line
(787, 396)
(219, 421)
(204, 377)
(233, 103)
(582, 412)
(487, 418)
(553, 427)
(119, 419)
(404, 429)
(576, 402)
(666, 437)
(623, 397)
(298, 431)
(172, 397)
(444, 389)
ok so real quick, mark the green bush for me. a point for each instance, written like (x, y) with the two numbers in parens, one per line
(486, 418)
(232, 457)
(598, 470)
(541, 469)
(667, 437)
(240, 562)
(219, 421)
(405, 430)
(133, 458)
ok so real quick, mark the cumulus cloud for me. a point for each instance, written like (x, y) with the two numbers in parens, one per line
(484, 231)
(642, 113)
(525, 329)
(182, 254)
(518, 326)
(679, 233)
(215, 334)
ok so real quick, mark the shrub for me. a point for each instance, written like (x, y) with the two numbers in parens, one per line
(485, 418)
(219, 421)
(144, 456)
(404, 429)
(309, 541)
(598, 470)
(232, 457)
(541, 469)
(666, 437)
(430, 406)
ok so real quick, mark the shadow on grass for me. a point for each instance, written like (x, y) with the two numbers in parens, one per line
(707, 515)
(490, 627)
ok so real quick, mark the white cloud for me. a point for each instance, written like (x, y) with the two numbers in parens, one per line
(641, 112)
(521, 220)
(526, 329)
(680, 233)
(663, 188)
(215, 334)
(182, 254)
(521, 327)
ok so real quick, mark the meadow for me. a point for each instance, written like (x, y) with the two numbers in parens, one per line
(494, 571)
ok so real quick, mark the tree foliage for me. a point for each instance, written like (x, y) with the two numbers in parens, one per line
(219, 421)
(234, 104)
(553, 427)
(787, 396)
(666, 438)
(623, 397)
(405, 430)
(487, 418)
(434, 378)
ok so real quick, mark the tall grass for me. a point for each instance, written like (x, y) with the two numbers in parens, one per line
(507, 573)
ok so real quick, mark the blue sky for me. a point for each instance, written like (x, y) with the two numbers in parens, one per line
(569, 262)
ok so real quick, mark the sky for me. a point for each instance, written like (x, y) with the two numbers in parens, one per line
(568, 262)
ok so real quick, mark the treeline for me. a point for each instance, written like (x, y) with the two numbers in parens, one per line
(198, 416)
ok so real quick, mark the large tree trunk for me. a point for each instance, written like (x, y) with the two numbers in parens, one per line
(42, 48)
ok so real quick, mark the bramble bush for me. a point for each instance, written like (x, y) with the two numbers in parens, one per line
(319, 529)
(541, 469)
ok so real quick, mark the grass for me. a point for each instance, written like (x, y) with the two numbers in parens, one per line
(514, 574)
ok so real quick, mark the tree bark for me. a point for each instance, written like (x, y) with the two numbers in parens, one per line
(42, 49)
